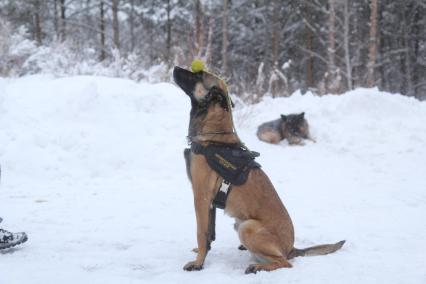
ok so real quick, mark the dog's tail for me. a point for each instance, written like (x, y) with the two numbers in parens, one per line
(316, 250)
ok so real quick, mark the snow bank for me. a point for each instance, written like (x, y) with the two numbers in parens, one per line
(92, 169)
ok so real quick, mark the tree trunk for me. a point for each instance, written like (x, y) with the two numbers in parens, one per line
(418, 31)
(88, 21)
(199, 29)
(169, 35)
(132, 25)
(115, 27)
(346, 45)
(275, 32)
(55, 18)
(407, 58)
(309, 47)
(383, 49)
(102, 30)
(225, 37)
(372, 49)
(150, 27)
(37, 26)
(62, 33)
(332, 82)
(208, 50)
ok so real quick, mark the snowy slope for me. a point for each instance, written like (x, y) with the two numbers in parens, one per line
(92, 170)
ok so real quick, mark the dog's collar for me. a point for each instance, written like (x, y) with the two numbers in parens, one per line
(199, 136)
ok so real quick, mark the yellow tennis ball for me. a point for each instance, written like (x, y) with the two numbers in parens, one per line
(197, 65)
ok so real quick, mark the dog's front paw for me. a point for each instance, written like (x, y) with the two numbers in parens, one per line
(193, 266)
(252, 268)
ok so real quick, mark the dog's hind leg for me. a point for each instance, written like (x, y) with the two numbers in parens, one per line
(273, 263)
(236, 226)
(269, 136)
(258, 240)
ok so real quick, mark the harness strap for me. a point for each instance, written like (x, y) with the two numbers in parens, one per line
(231, 161)
(219, 200)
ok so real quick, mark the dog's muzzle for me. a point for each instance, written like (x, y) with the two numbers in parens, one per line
(186, 80)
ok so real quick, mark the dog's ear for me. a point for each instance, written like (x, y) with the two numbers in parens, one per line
(283, 118)
(302, 115)
(210, 80)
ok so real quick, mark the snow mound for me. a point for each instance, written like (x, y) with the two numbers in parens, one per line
(92, 169)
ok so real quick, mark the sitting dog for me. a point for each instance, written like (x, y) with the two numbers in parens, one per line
(262, 222)
(292, 127)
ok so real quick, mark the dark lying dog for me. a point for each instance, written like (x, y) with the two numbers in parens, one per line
(292, 127)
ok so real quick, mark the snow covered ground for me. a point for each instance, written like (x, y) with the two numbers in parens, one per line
(93, 171)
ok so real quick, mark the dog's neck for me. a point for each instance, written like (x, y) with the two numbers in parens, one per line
(215, 125)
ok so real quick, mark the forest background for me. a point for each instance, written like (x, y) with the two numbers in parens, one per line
(260, 47)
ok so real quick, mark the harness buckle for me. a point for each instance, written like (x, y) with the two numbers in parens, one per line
(219, 200)
(224, 187)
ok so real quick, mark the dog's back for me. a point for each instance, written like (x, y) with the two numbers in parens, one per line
(270, 131)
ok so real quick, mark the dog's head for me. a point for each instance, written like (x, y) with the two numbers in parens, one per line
(203, 88)
(296, 125)
(210, 103)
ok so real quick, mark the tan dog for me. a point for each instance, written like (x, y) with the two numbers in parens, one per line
(262, 222)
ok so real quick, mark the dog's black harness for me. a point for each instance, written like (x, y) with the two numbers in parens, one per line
(232, 162)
